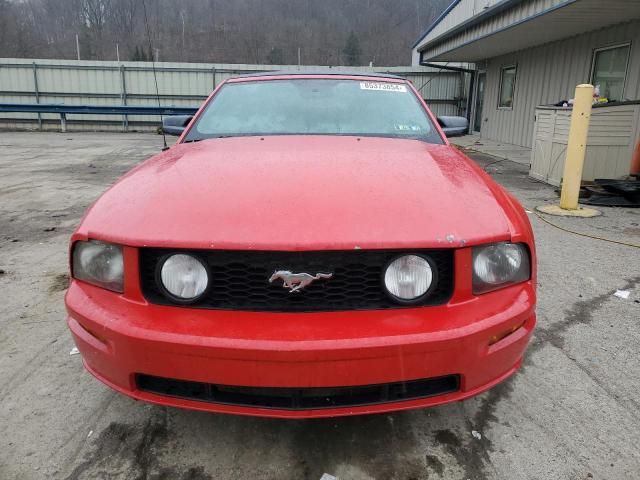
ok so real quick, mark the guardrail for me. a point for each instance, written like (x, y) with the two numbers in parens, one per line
(64, 110)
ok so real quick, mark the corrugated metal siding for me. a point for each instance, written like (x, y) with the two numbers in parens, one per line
(467, 9)
(179, 84)
(548, 74)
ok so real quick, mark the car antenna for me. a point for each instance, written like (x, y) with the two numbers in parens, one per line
(155, 77)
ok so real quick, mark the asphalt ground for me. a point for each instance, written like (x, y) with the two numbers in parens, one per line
(572, 411)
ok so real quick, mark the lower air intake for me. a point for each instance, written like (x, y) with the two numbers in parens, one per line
(299, 398)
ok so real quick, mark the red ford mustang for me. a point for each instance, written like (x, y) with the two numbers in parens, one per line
(311, 246)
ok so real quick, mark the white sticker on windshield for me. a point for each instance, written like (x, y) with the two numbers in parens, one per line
(406, 128)
(385, 87)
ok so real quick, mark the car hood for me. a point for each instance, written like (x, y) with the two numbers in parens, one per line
(302, 193)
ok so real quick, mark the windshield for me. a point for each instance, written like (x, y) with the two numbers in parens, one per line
(315, 107)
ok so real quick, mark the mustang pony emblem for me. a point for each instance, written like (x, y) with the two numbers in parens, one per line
(296, 281)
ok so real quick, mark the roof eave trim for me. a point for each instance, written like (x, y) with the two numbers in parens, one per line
(436, 22)
(480, 17)
(508, 27)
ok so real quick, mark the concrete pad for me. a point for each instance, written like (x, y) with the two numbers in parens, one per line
(572, 412)
(508, 151)
(556, 210)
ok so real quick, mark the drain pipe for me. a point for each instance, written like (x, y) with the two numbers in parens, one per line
(634, 171)
(472, 81)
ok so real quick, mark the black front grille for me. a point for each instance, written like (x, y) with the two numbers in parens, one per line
(240, 279)
(299, 398)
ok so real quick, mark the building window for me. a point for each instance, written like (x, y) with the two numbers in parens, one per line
(507, 86)
(609, 70)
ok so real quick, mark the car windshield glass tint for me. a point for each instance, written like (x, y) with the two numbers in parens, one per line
(315, 107)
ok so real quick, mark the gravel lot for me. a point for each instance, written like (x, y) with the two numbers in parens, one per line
(572, 412)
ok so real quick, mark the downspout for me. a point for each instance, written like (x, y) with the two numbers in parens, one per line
(473, 74)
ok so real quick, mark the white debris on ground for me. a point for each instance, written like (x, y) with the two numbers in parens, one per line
(476, 435)
(74, 351)
(624, 294)
(326, 476)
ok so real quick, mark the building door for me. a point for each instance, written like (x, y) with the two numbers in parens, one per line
(477, 119)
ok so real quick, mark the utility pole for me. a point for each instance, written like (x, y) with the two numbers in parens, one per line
(182, 17)
(118, 52)
(298, 56)
(78, 46)
(157, 54)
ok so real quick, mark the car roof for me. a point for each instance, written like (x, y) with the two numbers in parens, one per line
(319, 73)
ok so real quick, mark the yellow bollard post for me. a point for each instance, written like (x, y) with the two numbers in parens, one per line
(576, 149)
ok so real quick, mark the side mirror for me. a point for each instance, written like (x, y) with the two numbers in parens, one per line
(454, 126)
(175, 124)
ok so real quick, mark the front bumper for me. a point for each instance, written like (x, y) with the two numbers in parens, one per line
(120, 337)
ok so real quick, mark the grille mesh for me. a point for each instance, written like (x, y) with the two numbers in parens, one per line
(239, 279)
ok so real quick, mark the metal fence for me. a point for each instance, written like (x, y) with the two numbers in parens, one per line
(73, 82)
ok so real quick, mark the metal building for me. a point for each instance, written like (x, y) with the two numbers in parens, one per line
(532, 53)
(103, 83)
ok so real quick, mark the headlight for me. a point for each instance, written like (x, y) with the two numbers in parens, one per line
(498, 265)
(99, 263)
(409, 277)
(184, 277)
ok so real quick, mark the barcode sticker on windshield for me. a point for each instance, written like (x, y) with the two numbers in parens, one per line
(385, 87)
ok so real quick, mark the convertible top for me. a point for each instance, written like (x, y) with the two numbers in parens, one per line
(354, 73)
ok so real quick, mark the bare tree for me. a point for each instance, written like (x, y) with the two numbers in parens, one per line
(238, 31)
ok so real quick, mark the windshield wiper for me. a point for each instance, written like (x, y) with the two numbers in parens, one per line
(208, 138)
